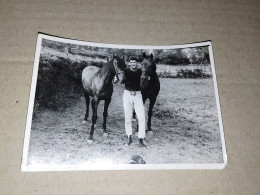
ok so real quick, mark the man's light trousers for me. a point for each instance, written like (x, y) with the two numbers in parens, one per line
(134, 102)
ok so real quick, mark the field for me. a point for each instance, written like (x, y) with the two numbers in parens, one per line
(185, 128)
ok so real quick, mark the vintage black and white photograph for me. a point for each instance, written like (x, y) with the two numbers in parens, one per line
(97, 106)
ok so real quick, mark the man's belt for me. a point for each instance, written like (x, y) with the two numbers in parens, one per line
(132, 92)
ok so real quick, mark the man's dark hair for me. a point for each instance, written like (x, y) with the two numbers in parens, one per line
(132, 58)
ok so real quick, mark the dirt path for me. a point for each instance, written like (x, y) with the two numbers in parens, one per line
(185, 130)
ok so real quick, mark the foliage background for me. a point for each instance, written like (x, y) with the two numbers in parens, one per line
(61, 65)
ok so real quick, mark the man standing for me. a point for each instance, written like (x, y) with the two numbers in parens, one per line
(132, 100)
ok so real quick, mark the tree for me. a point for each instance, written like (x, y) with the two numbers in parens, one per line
(197, 55)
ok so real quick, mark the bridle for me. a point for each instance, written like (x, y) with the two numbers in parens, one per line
(115, 64)
(145, 70)
(148, 72)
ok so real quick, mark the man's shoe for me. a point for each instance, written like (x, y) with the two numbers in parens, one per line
(141, 143)
(129, 140)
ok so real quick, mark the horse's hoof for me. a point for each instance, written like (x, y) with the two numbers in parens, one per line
(105, 134)
(133, 119)
(90, 141)
(142, 145)
(150, 132)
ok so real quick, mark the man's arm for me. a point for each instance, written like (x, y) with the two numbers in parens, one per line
(139, 66)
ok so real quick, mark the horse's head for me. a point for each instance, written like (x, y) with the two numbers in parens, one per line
(119, 66)
(148, 68)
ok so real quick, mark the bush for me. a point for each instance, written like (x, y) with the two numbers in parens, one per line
(184, 73)
(197, 73)
(59, 82)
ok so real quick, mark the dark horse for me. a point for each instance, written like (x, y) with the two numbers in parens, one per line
(97, 82)
(150, 86)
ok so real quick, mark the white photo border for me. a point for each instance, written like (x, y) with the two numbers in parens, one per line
(38, 168)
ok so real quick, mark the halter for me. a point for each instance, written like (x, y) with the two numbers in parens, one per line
(116, 69)
(148, 72)
(144, 70)
(115, 80)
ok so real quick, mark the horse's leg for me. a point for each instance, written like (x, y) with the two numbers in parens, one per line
(107, 102)
(94, 104)
(87, 106)
(134, 116)
(150, 113)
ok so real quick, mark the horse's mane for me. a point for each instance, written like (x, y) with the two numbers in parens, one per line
(106, 66)
(109, 65)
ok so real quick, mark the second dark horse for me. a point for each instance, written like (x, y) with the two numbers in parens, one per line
(97, 82)
(150, 86)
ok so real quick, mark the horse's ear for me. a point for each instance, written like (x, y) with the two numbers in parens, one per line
(151, 56)
(144, 55)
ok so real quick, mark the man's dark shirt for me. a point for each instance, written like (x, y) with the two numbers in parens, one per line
(132, 82)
